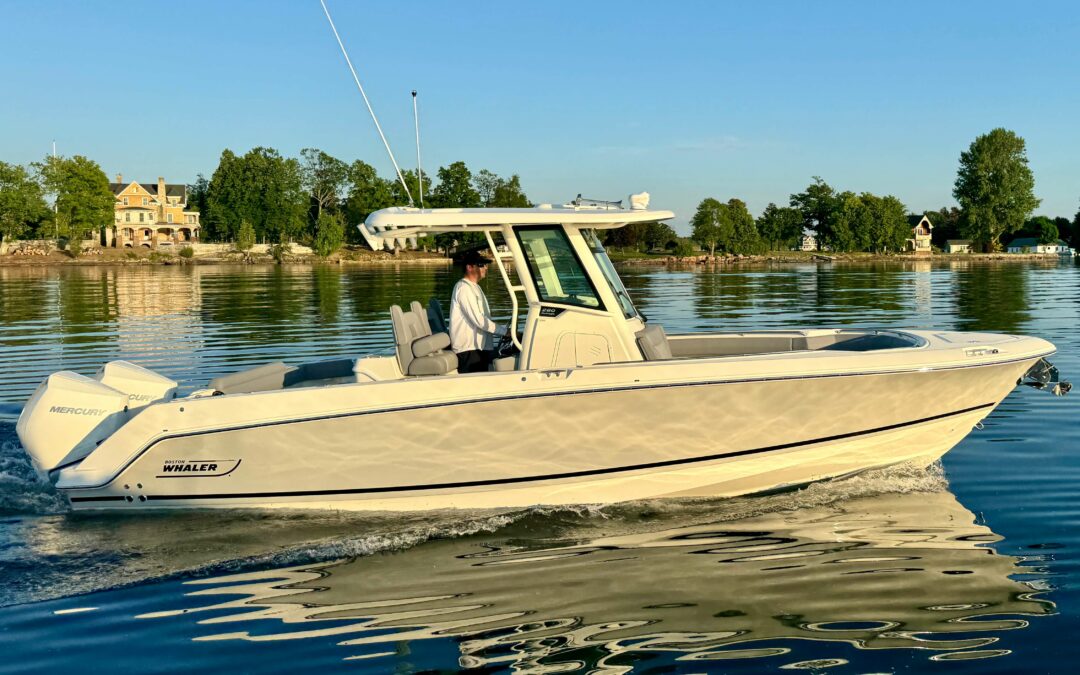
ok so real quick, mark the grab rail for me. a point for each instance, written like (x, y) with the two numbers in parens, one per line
(499, 255)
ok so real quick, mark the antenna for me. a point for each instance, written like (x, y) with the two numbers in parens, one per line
(419, 170)
(367, 103)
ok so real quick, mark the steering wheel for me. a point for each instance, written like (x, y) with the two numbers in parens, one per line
(505, 346)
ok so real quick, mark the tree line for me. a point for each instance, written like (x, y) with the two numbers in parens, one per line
(261, 195)
(994, 187)
(317, 199)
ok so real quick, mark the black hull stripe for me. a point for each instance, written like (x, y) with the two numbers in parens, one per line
(545, 477)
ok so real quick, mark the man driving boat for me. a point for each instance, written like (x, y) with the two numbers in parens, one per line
(472, 331)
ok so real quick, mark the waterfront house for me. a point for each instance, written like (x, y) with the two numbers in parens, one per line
(958, 246)
(151, 216)
(808, 243)
(920, 235)
(1032, 245)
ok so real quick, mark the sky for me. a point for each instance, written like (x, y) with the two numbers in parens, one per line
(685, 100)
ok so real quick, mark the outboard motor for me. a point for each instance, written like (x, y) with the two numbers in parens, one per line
(142, 386)
(70, 414)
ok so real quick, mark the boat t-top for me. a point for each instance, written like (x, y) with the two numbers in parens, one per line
(598, 404)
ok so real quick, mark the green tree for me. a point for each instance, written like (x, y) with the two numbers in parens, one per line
(455, 188)
(197, 193)
(889, 229)
(630, 236)
(324, 177)
(485, 182)
(84, 201)
(780, 226)
(402, 199)
(995, 187)
(329, 233)
(684, 248)
(278, 203)
(500, 192)
(818, 203)
(367, 193)
(658, 235)
(1045, 230)
(261, 187)
(710, 225)
(1076, 230)
(281, 251)
(227, 198)
(848, 223)
(245, 236)
(744, 234)
(1065, 228)
(22, 202)
(866, 222)
(509, 194)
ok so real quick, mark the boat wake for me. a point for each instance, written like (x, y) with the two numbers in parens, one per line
(22, 491)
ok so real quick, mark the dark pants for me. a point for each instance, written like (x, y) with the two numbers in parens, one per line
(475, 361)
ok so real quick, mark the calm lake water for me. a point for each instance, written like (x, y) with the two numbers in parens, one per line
(973, 565)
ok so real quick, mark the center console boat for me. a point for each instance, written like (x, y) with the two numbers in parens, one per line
(598, 404)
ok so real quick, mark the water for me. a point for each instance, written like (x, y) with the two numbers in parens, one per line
(968, 566)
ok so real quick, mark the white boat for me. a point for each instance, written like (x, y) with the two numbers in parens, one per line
(600, 405)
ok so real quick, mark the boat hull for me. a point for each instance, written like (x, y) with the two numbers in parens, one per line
(710, 437)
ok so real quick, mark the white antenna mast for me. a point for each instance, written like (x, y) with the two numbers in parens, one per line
(367, 103)
(419, 170)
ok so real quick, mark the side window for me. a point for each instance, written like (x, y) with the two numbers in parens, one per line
(555, 268)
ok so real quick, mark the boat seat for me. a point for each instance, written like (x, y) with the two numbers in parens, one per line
(260, 378)
(333, 371)
(419, 351)
(653, 343)
(436, 318)
(416, 308)
(279, 375)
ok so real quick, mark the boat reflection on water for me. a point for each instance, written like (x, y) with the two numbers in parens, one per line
(887, 572)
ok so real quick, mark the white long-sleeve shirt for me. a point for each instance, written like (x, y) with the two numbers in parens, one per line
(471, 326)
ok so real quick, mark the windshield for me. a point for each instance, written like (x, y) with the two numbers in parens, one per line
(610, 274)
(555, 268)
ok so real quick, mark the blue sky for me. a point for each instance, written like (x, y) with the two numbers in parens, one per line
(685, 100)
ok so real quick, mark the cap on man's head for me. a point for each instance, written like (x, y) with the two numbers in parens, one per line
(473, 257)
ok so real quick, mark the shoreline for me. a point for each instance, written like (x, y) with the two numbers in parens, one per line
(115, 258)
(829, 258)
(352, 258)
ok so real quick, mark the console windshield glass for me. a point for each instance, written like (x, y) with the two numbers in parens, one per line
(612, 277)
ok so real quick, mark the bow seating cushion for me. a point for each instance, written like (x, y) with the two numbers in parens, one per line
(260, 378)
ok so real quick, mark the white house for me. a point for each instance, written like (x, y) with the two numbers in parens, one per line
(808, 243)
(958, 246)
(1032, 245)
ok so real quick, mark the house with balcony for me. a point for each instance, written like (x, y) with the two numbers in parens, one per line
(151, 215)
(921, 231)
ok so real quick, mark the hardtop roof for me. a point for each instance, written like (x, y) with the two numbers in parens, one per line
(444, 220)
